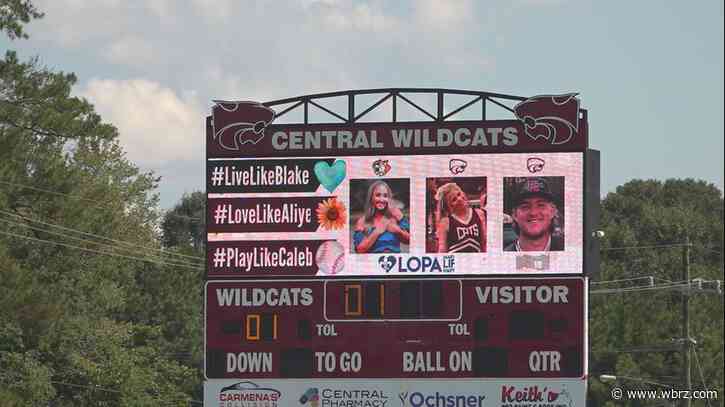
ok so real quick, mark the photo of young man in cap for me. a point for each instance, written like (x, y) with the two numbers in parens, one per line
(534, 209)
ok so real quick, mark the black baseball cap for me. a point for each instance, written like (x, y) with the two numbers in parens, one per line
(533, 186)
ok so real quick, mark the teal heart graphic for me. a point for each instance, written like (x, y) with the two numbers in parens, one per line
(330, 176)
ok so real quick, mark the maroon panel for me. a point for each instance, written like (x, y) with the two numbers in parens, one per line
(425, 328)
(254, 176)
(240, 259)
(291, 214)
(359, 139)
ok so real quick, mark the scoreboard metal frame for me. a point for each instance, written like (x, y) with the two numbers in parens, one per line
(241, 326)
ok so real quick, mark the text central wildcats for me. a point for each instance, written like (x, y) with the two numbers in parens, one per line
(402, 138)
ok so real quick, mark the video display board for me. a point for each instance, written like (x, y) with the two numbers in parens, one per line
(376, 263)
(396, 328)
(396, 199)
(442, 214)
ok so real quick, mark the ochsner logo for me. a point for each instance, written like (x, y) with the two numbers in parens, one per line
(438, 399)
(248, 394)
(534, 396)
(417, 264)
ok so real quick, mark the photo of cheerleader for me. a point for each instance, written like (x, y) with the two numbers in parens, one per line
(379, 224)
(458, 218)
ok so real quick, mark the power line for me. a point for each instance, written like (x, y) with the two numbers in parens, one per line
(98, 236)
(97, 251)
(52, 192)
(170, 261)
(658, 246)
(99, 388)
(107, 390)
(183, 216)
(167, 213)
(681, 284)
(622, 280)
(664, 279)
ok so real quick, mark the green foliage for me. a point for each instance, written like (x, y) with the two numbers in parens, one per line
(24, 380)
(14, 14)
(84, 326)
(659, 216)
(95, 313)
(185, 226)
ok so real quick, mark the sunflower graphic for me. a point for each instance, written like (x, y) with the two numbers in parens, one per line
(331, 214)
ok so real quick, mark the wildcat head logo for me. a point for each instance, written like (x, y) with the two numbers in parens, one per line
(381, 167)
(535, 164)
(555, 118)
(457, 166)
(238, 123)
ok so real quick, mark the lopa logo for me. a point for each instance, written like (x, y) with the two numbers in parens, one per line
(238, 123)
(248, 394)
(554, 118)
(417, 264)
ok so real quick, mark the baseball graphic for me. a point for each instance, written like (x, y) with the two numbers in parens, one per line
(330, 257)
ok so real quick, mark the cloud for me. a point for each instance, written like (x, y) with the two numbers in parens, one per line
(86, 23)
(155, 124)
(214, 10)
(358, 17)
(250, 50)
(323, 44)
(130, 51)
(443, 15)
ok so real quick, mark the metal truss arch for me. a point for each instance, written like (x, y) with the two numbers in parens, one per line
(398, 96)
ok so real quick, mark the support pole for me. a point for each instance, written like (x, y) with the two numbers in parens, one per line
(686, 342)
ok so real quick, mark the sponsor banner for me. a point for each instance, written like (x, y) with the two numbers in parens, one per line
(396, 328)
(394, 393)
(545, 123)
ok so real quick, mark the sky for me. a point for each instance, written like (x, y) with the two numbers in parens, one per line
(650, 73)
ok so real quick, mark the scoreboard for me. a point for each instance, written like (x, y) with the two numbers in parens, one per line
(445, 261)
(381, 328)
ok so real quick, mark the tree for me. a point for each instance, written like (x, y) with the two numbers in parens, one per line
(657, 215)
(78, 245)
(14, 14)
(185, 226)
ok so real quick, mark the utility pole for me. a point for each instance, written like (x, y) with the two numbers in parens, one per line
(686, 341)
